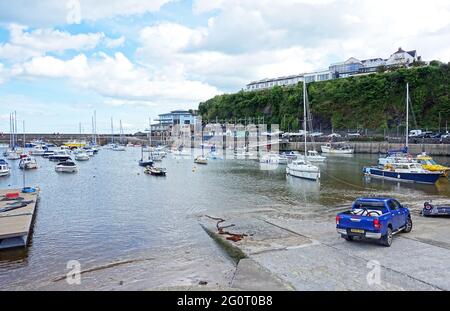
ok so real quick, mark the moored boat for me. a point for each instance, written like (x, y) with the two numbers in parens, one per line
(155, 171)
(28, 163)
(4, 168)
(201, 160)
(429, 164)
(66, 167)
(337, 149)
(273, 158)
(403, 171)
(81, 156)
(303, 169)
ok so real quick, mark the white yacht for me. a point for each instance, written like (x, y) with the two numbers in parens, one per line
(273, 158)
(28, 163)
(312, 156)
(81, 156)
(337, 149)
(118, 148)
(60, 155)
(303, 168)
(66, 167)
(12, 155)
(4, 168)
(201, 160)
(38, 150)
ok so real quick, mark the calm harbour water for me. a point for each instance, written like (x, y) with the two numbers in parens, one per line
(110, 211)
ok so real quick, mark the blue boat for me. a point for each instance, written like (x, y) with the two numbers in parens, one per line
(403, 171)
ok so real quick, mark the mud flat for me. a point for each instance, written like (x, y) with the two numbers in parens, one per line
(284, 251)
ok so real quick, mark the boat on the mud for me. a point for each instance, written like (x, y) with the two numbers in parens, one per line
(155, 171)
(201, 160)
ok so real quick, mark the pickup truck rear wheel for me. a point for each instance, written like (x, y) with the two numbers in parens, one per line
(409, 225)
(348, 238)
(386, 240)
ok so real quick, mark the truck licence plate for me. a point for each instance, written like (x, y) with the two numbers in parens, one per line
(356, 230)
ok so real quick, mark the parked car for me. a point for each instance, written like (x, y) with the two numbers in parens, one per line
(415, 133)
(374, 218)
(334, 135)
(353, 135)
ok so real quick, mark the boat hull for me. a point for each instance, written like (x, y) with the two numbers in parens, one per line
(303, 173)
(423, 178)
(336, 151)
(66, 169)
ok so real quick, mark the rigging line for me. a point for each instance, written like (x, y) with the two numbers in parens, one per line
(348, 183)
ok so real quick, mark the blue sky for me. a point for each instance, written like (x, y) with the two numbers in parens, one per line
(133, 59)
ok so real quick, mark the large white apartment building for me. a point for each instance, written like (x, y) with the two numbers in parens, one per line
(350, 67)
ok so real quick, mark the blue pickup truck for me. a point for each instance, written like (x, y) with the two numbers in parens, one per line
(374, 218)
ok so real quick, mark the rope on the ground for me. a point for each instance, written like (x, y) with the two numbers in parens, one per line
(235, 237)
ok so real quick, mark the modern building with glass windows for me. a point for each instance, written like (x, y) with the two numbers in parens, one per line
(177, 117)
(350, 67)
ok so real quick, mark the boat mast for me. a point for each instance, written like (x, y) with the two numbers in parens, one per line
(304, 114)
(407, 114)
(121, 131)
(15, 128)
(24, 133)
(150, 132)
(95, 127)
(112, 131)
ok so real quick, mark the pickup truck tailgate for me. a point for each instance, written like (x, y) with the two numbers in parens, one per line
(356, 222)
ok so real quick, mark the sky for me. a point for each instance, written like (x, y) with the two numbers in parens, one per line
(130, 60)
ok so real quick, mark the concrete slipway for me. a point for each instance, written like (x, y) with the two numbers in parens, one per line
(287, 251)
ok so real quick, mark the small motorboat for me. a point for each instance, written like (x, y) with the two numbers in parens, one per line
(38, 150)
(60, 155)
(28, 163)
(4, 168)
(82, 156)
(66, 167)
(145, 163)
(118, 148)
(48, 153)
(431, 210)
(12, 155)
(273, 158)
(201, 160)
(337, 149)
(303, 169)
(155, 171)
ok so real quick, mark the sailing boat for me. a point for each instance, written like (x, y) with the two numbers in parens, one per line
(149, 161)
(302, 168)
(120, 147)
(12, 153)
(403, 167)
(201, 159)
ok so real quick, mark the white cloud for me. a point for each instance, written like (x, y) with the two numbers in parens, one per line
(24, 44)
(117, 78)
(57, 12)
(114, 43)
